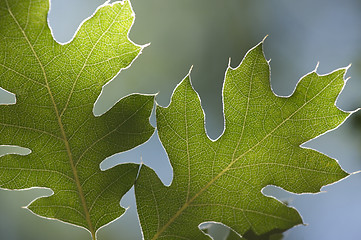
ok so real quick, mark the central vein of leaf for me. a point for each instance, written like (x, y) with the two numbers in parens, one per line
(74, 170)
(188, 157)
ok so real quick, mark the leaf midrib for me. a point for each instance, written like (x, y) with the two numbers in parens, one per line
(187, 204)
(74, 170)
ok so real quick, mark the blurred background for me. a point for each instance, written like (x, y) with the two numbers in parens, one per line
(205, 34)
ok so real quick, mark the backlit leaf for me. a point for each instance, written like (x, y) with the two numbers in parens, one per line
(56, 87)
(221, 180)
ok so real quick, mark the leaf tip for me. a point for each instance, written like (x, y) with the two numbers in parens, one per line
(345, 70)
(317, 64)
(357, 172)
(259, 48)
(156, 94)
(229, 62)
(265, 37)
(190, 70)
(146, 45)
(186, 80)
(347, 67)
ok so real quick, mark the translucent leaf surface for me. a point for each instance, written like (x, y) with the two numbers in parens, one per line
(56, 86)
(221, 180)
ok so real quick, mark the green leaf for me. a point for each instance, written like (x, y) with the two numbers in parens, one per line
(221, 180)
(56, 86)
(249, 235)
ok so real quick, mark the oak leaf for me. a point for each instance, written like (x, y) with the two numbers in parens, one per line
(222, 180)
(56, 86)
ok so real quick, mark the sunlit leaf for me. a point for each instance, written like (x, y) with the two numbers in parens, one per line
(221, 180)
(56, 87)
